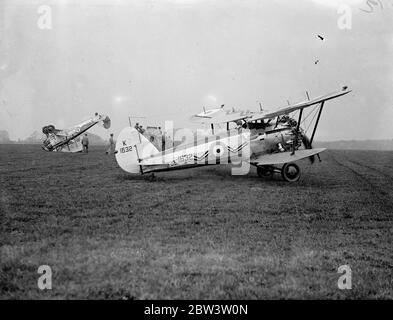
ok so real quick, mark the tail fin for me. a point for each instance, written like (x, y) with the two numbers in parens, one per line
(106, 122)
(104, 119)
(131, 147)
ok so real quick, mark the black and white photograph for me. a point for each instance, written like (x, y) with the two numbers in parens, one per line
(210, 151)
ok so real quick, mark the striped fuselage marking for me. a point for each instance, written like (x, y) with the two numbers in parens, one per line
(230, 146)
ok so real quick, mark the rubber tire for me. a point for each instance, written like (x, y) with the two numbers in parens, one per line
(285, 173)
(264, 172)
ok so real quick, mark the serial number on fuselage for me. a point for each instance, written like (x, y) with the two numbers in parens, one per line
(125, 149)
(185, 157)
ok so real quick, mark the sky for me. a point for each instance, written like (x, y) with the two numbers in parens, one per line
(167, 59)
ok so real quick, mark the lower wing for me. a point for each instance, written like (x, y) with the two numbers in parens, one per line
(284, 157)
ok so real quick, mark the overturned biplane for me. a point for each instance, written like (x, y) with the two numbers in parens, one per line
(264, 139)
(68, 140)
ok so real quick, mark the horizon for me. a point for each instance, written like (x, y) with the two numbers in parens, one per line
(104, 138)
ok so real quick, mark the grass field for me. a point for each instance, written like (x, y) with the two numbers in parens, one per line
(198, 233)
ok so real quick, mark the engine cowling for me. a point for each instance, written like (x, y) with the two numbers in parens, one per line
(48, 129)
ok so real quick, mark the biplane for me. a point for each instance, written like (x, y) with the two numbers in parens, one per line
(272, 141)
(68, 140)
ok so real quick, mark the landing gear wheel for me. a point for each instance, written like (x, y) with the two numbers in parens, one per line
(264, 171)
(290, 172)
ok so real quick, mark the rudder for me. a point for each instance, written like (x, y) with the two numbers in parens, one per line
(131, 146)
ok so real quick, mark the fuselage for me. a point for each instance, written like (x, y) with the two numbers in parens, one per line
(230, 146)
(67, 140)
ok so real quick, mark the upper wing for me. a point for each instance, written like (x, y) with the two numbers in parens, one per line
(298, 106)
(72, 146)
(207, 114)
(220, 116)
(215, 116)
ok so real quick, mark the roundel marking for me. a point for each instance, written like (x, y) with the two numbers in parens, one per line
(219, 152)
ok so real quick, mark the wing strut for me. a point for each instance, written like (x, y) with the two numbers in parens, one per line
(139, 160)
(297, 132)
(316, 122)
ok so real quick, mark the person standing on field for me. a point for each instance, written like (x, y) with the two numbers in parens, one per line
(111, 146)
(85, 143)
